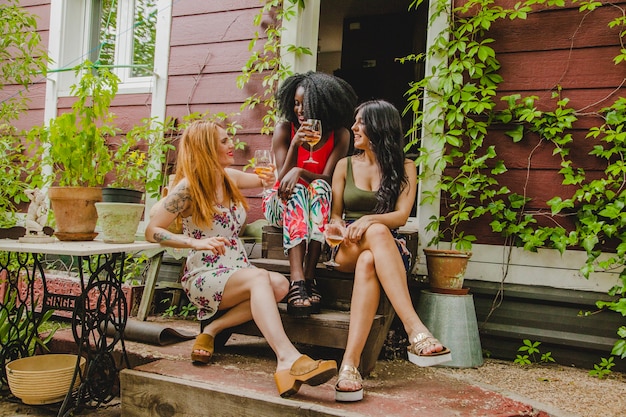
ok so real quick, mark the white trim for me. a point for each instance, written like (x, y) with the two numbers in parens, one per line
(160, 78)
(546, 267)
(431, 176)
(302, 30)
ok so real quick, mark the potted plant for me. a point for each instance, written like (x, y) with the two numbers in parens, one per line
(75, 147)
(121, 210)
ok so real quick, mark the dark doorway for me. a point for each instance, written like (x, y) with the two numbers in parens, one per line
(360, 41)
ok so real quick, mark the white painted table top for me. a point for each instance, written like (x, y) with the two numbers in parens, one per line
(72, 248)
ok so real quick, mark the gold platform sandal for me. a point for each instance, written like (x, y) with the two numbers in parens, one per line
(304, 371)
(349, 373)
(421, 341)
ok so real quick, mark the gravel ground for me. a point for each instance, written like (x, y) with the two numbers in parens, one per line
(570, 390)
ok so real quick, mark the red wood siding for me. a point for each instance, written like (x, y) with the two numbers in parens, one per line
(553, 48)
(209, 46)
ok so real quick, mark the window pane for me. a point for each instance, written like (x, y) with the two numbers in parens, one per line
(144, 37)
(108, 32)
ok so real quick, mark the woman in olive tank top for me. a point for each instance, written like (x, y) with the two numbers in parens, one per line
(373, 192)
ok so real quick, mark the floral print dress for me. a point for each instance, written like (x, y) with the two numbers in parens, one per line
(206, 273)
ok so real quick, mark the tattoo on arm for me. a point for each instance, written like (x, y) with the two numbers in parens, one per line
(178, 201)
(160, 236)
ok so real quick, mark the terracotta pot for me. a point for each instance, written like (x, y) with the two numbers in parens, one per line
(446, 269)
(75, 211)
(119, 221)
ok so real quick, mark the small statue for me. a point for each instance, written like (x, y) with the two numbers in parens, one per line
(36, 218)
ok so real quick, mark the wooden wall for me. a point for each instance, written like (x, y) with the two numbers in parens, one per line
(37, 91)
(209, 46)
(553, 48)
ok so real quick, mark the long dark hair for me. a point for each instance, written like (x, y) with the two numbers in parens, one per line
(383, 126)
(326, 97)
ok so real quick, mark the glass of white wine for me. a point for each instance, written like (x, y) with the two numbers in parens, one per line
(262, 164)
(333, 233)
(316, 134)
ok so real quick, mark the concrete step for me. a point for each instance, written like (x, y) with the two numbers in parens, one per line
(239, 382)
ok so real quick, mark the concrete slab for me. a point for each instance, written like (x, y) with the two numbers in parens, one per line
(244, 369)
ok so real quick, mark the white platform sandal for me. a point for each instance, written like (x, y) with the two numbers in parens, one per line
(421, 341)
(348, 373)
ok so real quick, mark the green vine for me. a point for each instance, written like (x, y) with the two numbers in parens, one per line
(267, 61)
(461, 92)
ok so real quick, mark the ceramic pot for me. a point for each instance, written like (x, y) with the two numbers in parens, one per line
(119, 221)
(446, 270)
(75, 211)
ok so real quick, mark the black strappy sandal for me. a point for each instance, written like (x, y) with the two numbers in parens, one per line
(296, 297)
(315, 297)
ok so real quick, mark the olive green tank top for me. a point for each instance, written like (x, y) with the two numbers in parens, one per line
(356, 202)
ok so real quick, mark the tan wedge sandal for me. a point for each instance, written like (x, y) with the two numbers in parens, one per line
(204, 342)
(304, 371)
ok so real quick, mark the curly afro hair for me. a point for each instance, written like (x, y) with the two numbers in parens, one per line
(326, 97)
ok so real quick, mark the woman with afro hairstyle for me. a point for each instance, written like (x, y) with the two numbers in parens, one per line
(373, 193)
(299, 203)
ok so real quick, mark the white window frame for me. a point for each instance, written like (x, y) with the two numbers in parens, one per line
(71, 31)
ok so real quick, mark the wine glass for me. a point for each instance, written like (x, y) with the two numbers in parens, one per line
(316, 134)
(262, 165)
(333, 233)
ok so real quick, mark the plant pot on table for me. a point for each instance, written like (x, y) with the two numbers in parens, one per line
(75, 212)
(119, 221)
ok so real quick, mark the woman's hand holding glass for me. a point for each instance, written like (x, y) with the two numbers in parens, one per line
(315, 129)
(334, 234)
(264, 168)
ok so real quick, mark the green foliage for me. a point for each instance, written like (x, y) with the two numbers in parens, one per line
(531, 350)
(460, 112)
(132, 162)
(267, 61)
(23, 58)
(75, 143)
(23, 61)
(134, 268)
(187, 311)
(603, 369)
(20, 326)
(13, 176)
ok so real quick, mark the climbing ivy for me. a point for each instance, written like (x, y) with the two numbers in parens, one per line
(461, 91)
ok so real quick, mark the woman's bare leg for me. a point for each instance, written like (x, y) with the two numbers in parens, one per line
(391, 274)
(241, 313)
(364, 303)
(254, 286)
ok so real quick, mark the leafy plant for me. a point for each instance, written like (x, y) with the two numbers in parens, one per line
(602, 369)
(75, 143)
(532, 349)
(146, 145)
(268, 60)
(13, 176)
(455, 107)
(19, 328)
(24, 60)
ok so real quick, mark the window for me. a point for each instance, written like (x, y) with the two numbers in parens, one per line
(117, 33)
(126, 37)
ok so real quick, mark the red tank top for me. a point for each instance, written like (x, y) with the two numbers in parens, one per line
(321, 155)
